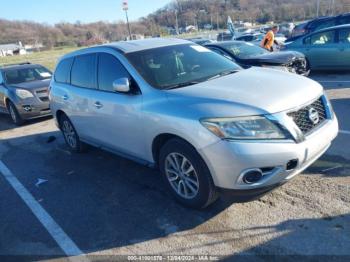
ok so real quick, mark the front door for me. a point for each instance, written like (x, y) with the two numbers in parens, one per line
(118, 123)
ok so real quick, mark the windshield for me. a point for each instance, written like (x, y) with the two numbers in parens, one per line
(179, 65)
(245, 50)
(23, 75)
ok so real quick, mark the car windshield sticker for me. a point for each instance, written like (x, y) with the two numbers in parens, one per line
(200, 48)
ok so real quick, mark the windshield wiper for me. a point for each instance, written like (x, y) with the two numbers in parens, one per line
(225, 73)
(180, 85)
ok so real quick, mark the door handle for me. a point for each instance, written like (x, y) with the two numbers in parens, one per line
(98, 105)
(65, 97)
(341, 49)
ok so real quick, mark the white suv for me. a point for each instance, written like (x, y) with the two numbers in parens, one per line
(206, 123)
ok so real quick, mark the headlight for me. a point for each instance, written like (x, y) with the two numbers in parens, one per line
(23, 94)
(281, 68)
(244, 128)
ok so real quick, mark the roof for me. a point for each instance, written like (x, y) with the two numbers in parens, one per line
(10, 47)
(145, 44)
(17, 66)
(330, 28)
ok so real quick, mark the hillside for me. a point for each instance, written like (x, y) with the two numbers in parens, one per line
(189, 12)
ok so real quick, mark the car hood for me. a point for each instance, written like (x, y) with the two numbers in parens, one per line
(276, 58)
(33, 85)
(248, 92)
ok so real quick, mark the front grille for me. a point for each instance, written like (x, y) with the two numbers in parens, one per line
(44, 91)
(42, 95)
(303, 119)
(44, 99)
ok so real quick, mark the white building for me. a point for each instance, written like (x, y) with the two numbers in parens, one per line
(12, 49)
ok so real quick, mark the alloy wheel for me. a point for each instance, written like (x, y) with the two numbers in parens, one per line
(69, 134)
(181, 175)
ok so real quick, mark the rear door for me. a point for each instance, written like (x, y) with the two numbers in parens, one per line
(81, 96)
(119, 125)
(344, 48)
(321, 49)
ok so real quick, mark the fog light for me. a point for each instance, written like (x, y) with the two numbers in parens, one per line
(252, 176)
(27, 108)
(292, 164)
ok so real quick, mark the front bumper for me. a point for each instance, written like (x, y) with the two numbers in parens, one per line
(32, 108)
(228, 160)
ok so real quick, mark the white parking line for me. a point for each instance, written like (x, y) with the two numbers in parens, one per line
(345, 132)
(57, 233)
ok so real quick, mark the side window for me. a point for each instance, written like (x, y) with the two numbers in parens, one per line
(1, 79)
(62, 71)
(344, 36)
(307, 40)
(84, 71)
(109, 70)
(324, 38)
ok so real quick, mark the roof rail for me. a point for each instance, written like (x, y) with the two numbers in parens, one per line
(24, 63)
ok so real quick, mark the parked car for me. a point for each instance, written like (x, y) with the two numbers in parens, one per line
(248, 55)
(286, 29)
(200, 41)
(318, 24)
(24, 91)
(208, 125)
(251, 37)
(224, 36)
(327, 49)
(257, 38)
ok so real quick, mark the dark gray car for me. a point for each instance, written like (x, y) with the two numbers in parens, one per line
(24, 91)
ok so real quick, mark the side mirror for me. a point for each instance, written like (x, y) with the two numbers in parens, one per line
(121, 85)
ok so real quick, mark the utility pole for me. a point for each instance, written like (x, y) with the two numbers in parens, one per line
(318, 8)
(126, 8)
(177, 23)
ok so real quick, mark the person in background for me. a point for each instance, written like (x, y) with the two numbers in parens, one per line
(269, 39)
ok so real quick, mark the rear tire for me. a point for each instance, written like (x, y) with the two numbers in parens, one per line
(186, 175)
(15, 116)
(70, 135)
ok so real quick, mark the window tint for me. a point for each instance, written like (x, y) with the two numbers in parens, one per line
(84, 71)
(323, 38)
(63, 70)
(344, 36)
(109, 70)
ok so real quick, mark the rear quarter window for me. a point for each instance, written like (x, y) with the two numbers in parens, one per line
(62, 72)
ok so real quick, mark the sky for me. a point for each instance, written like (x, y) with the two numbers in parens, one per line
(55, 11)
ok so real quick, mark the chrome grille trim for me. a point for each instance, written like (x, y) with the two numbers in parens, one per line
(301, 117)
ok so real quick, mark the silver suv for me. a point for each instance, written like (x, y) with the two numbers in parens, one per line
(24, 91)
(204, 122)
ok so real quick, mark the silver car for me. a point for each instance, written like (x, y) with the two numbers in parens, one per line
(208, 125)
(24, 91)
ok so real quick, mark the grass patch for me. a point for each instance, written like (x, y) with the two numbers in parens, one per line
(45, 58)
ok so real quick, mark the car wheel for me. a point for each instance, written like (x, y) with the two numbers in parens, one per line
(16, 118)
(70, 135)
(186, 174)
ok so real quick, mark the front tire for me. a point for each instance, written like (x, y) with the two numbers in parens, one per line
(186, 175)
(15, 116)
(70, 135)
